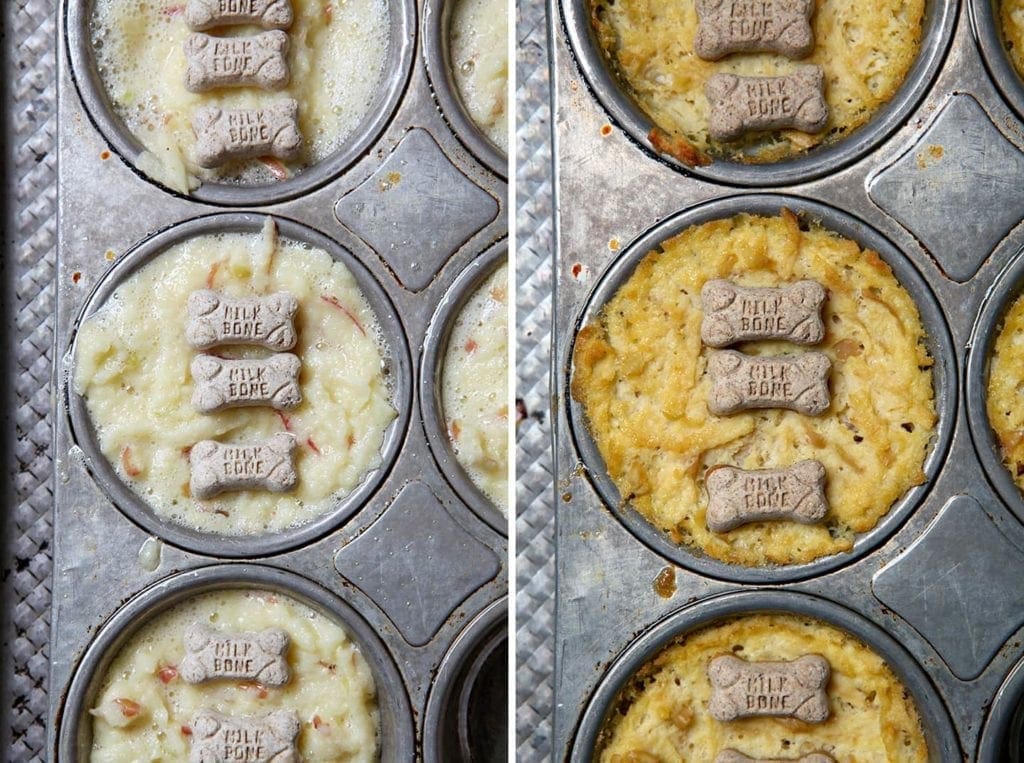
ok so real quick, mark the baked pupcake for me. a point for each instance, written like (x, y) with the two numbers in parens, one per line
(148, 706)
(864, 49)
(665, 713)
(1003, 399)
(479, 55)
(335, 54)
(659, 440)
(137, 371)
(474, 388)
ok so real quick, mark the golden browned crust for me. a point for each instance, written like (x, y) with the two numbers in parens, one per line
(640, 373)
(865, 50)
(661, 715)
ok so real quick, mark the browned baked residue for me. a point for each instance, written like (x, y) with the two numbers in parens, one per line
(665, 583)
(930, 156)
(677, 147)
(606, 130)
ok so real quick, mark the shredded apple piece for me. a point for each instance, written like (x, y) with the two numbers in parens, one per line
(276, 167)
(126, 462)
(333, 302)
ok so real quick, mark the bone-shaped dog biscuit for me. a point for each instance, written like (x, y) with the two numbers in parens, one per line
(269, 14)
(246, 656)
(218, 468)
(270, 738)
(732, 756)
(221, 384)
(748, 104)
(226, 134)
(737, 497)
(754, 26)
(742, 382)
(797, 689)
(215, 319)
(259, 60)
(740, 314)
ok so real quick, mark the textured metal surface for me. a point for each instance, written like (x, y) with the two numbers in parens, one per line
(946, 600)
(535, 522)
(391, 560)
(31, 165)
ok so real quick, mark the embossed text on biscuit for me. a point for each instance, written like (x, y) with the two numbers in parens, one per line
(220, 468)
(270, 738)
(215, 319)
(739, 314)
(732, 756)
(737, 496)
(740, 105)
(226, 134)
(754, 26)
(797, 689)
(269, 14)
(259, 60)
(742, 382)
(221, 384)
(246, 656)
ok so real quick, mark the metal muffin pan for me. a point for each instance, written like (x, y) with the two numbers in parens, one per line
(938, 196)
(985, 16)
(402, 40)
(940, 347)
(384, 225)
(437, 16)
(473, 674)
(940, 17)
(398, 372)
(397, 740)
(435, 349)
(938, 728)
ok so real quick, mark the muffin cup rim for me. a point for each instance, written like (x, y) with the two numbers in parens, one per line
(396, 737)
(395, 78)
(944, 379)
(435, 344)
(935, 720)
(937, 38)
(395, 351)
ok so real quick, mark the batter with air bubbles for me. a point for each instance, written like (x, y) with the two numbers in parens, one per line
(475, 388)
(335, 57)
(133, 367)
(479, 55)
(147, 706)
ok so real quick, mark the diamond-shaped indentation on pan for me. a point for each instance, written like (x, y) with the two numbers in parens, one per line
(417, 563)
(959, 586)
(417, 209)
(961, 162)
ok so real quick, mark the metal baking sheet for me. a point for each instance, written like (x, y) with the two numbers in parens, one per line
(426, 241)
(936, 589)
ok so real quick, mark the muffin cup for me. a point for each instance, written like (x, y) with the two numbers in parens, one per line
(398, 364)
(437, 16)
(473, 661)
(1002, 738)
(985, 22)
(75, 735)
(1008, 286)
(940, 347)
(940, 19)
(938, 727)
(402, 15)
(435, 347)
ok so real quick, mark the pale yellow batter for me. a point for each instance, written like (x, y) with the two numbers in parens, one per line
(144, 708)
(479, 53)
(1005, 387)
(337, 55)
(475, 390)
(640, 373)
(662, 715)
(133, 368)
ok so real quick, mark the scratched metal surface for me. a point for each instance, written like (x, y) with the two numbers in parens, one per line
(420, 240)
(942, 580)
